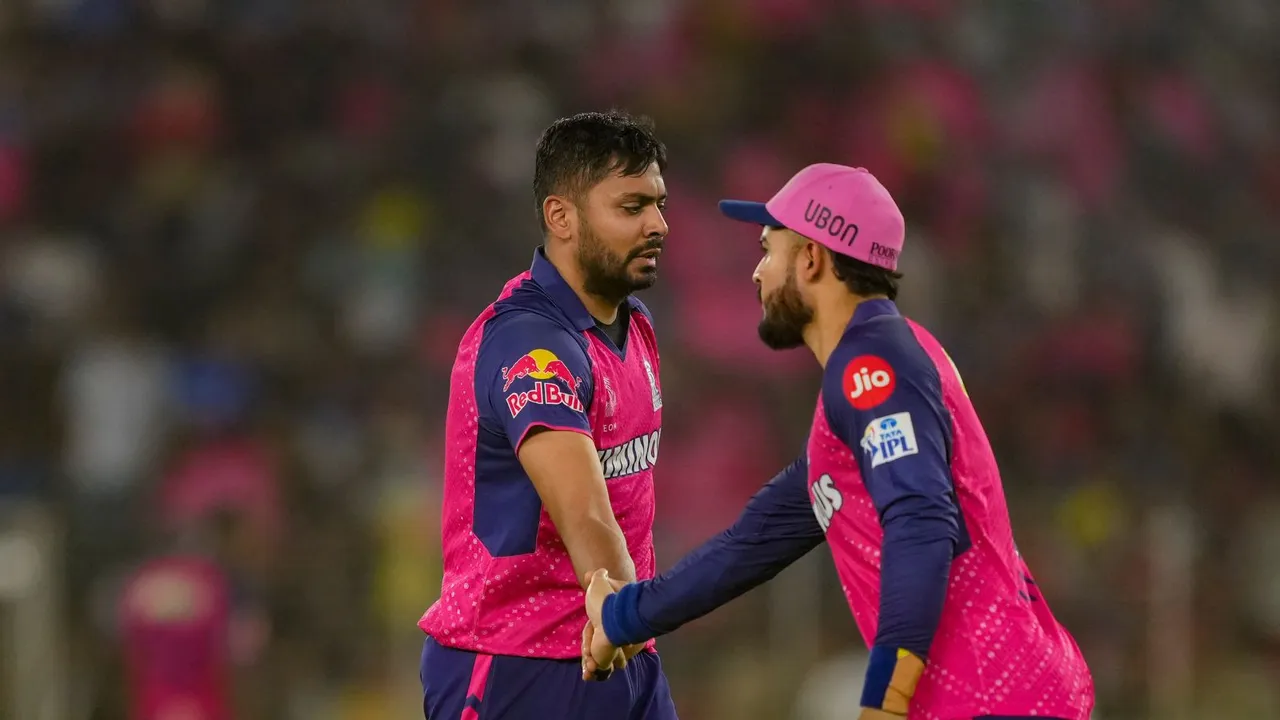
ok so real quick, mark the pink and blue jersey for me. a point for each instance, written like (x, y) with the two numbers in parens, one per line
(535, 358)
(900, 480)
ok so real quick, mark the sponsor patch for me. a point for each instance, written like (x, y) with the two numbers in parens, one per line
(543, 393)
(635, 455)
(868, 381)
(554, 383)
(653, 386)
(889, 438)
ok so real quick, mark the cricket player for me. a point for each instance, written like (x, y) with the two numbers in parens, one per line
(898, 478)
(554, 420)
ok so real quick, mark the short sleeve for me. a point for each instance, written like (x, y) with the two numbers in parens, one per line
(532, 372)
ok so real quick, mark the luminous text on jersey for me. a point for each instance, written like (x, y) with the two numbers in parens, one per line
(635, 455)
(827, 500)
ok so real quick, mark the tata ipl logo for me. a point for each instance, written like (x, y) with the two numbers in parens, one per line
(889, 438)
(546, 370)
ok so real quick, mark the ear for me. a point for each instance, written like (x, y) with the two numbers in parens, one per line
(810, 261)
(560, 215)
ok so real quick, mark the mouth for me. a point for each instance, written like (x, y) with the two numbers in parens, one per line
(649, 258)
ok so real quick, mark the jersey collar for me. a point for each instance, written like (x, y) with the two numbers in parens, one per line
(550, 279)
(871, 309)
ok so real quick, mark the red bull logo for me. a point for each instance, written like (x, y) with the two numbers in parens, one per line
(548, 373)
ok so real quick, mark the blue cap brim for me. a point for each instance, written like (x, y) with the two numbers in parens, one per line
(748, 212)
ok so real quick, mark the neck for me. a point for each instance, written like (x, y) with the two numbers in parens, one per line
(603, 309)
(831, 317)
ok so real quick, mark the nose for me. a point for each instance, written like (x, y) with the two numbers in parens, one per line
(755, 275)
(655, 223)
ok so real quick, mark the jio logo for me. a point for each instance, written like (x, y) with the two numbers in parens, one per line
(868, 381)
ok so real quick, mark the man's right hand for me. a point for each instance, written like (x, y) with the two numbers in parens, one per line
(597, 650)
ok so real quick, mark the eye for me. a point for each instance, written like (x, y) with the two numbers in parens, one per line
(632, 209)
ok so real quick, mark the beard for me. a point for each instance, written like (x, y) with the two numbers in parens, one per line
(608, 275)
(785, 317)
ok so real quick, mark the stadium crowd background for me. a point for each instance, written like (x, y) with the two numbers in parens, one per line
(239, 241)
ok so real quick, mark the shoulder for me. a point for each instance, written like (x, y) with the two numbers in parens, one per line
(526, 318)
(530, 341)
(876, 361)
(528, 302)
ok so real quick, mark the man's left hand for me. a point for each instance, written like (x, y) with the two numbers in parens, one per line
(599, 657)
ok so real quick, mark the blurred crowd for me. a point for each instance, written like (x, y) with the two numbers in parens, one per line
(239, 241)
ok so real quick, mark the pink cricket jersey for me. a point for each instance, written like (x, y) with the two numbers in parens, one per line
(536, 359)
(893, 426)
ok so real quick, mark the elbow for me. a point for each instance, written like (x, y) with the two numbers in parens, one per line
(600, 525)
(585, 521)
(922, 519)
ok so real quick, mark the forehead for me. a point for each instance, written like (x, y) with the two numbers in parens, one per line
(648, 183)
(777, 237)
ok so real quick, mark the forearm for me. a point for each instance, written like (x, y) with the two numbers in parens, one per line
(565, 470)
(594, 543)
(914, 575)
(722, 569)
(775, 529)
(727, 566)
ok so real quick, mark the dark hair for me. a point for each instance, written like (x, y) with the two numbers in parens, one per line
(863, 278)
(577, 152)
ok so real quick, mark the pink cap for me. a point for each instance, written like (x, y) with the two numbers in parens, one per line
(842, 208)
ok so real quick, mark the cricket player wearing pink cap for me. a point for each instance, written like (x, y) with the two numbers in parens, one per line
(898, 478)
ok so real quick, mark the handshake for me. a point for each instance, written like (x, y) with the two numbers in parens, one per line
(600, 657)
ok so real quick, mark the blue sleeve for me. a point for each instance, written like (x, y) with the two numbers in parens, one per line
(776, 528)
(532, 372)
(888, 407)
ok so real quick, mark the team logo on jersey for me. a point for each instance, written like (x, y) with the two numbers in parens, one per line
(635, 455)
(889, 438)
(611, 400)
(826, 499)
(548, 373)
(653, 385)
(868, 381)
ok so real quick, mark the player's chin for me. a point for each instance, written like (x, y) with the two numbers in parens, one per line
(778, 336)
(642, 277)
